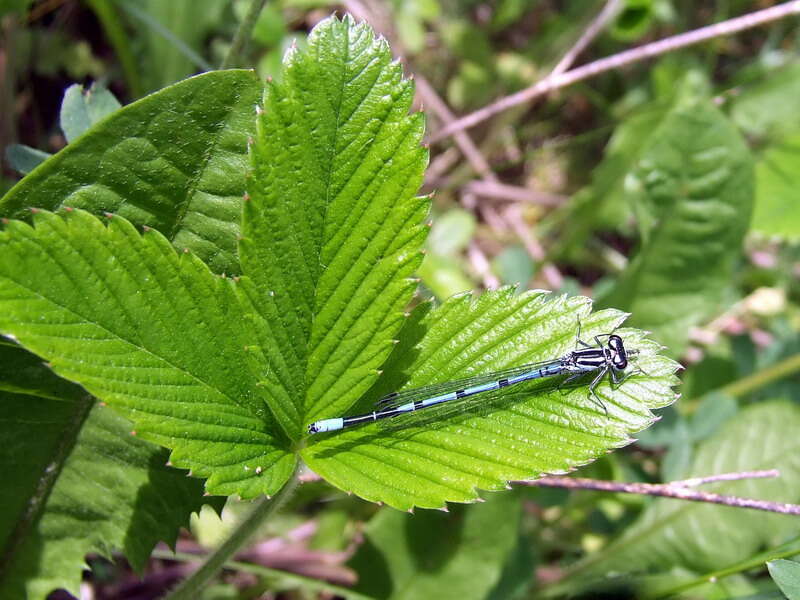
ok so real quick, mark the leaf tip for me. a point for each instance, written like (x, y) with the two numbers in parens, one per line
(4, 221)
(146, 228)
(68, 209)
(35, 211)
(246, 197)
(133, 432)
(108, 215)
(443, 509)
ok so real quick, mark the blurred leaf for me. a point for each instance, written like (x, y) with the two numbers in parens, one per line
(705, 537)
(514, 266)
(8, 7)
(519, 433)
(786, 573)
(694, 184)
(455, 556)
(112, 21)
(633, 21)
(81, 109)
(270, 28)
(608, 201)
(468, 42)
(444, 276)
(777, 209)
(152, 332)
(76, 483)
(174, 161)
(451, 232)
(767, 108)
(333, 231)
(518, 573)
(473, 85)
(712, 412)
(509, 12)
(25, 159)
(188, 23)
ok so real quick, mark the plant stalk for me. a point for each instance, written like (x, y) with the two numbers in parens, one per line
(191, 587)
(763, 377)
(243, 34)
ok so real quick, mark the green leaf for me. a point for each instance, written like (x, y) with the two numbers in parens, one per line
(707, 537)
(332, 232)
(456, 556)
(174, 161)
(76, 482)
(517, 435)
(25, 159)
(766, 108)
(81, 108)
(174, 32)
(777, 211)
(694, 186)
(154, 333)
(786, 573)
(444, 276)
(451, 232)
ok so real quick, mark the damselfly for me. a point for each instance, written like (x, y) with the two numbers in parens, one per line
(610, 358)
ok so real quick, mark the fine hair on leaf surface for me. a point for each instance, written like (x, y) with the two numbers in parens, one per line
(228, 373)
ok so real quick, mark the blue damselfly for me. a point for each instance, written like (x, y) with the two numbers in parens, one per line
(609, 358)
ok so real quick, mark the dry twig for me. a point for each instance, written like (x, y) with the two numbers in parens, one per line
(681, 490)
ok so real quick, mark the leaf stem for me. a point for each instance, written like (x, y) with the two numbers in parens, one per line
(245, 567)
(243, 34)
(787, 550)
(763, 377)
(190, 588)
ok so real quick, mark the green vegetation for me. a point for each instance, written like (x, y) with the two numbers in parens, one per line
(191, 276)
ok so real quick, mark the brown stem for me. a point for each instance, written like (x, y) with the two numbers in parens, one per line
(676, 489)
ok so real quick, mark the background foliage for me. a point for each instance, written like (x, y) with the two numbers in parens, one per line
(667, 189)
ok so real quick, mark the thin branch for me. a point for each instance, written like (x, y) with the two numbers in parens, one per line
(676, 489)
(243, 33)
(190, 587)
(617, 61)
(513, 193)
(738, 476)
(481, 266)
(597, 25)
